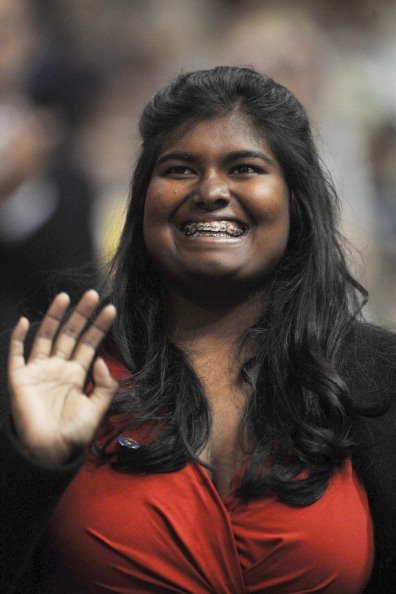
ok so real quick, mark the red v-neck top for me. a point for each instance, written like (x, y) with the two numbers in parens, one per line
(163, 533)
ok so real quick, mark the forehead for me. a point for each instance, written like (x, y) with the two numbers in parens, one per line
(226, 131)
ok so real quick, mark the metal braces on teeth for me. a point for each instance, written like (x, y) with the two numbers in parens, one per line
(222, 227)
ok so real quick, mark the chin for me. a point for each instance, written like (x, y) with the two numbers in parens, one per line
(217, 288)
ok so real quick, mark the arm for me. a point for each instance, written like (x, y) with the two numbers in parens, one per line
(378, 472)
(45, 424)
(29, 492)
(371, 370)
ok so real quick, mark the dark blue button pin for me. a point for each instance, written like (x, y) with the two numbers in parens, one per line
(127, 442)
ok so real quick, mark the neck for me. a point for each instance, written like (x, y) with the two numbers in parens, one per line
(208, 326)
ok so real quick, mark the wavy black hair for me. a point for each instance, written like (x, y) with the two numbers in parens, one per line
(299, 410)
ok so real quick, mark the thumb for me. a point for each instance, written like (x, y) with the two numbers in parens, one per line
(105, 386)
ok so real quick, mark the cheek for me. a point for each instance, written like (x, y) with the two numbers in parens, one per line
(272, 214)
(285, 216)
(157, 231)
(283, 222)
(153, 203)
(161, 202)
(154, 211)
(149, 221)
(271, 203)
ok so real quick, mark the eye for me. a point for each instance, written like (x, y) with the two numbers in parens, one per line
(245, 169)
(178, 171)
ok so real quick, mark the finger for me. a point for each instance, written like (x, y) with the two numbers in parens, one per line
(16, 358)
(42, 345)
(105, 387)
(89, 342)
(71, 331)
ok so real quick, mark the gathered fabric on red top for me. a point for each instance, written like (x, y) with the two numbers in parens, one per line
(166, 533)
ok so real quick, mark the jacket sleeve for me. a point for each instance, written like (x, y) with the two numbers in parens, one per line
(28, 494)
(378, 472)
(372, 376)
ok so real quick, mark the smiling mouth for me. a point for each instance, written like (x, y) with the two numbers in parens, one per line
(214, 228)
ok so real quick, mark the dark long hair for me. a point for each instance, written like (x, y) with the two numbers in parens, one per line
(299, 412)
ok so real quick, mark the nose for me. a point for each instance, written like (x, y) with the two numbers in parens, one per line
(212, 193)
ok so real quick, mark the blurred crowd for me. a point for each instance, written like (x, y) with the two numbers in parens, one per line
(75, 75)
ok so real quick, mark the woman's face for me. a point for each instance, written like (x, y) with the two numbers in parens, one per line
(217, 205)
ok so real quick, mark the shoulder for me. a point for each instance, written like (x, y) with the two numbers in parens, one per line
(369, 369)
(368, 365)
(366, 344)
(368, 362)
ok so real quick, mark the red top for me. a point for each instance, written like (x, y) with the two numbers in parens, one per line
(163, 533)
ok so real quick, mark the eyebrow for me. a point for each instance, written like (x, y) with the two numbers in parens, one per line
(234, 156)
(189, 157)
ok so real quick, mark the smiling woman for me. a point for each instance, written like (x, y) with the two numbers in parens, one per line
(217, 208)
(250, 445)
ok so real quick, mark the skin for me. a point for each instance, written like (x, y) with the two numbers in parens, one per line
(199, 176)
(53, 417)
(218, 286)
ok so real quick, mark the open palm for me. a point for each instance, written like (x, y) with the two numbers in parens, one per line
(53, 416)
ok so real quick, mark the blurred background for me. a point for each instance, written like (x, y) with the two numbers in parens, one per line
(75, 75)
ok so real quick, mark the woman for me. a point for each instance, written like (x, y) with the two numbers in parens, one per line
(251, 401)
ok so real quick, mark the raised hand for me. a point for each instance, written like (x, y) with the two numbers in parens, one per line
(53, 417)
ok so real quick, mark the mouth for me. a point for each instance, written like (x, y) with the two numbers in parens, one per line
(214, 229)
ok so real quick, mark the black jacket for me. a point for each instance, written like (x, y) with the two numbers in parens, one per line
(29, 492)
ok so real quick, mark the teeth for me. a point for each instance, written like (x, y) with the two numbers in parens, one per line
(223, 227)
